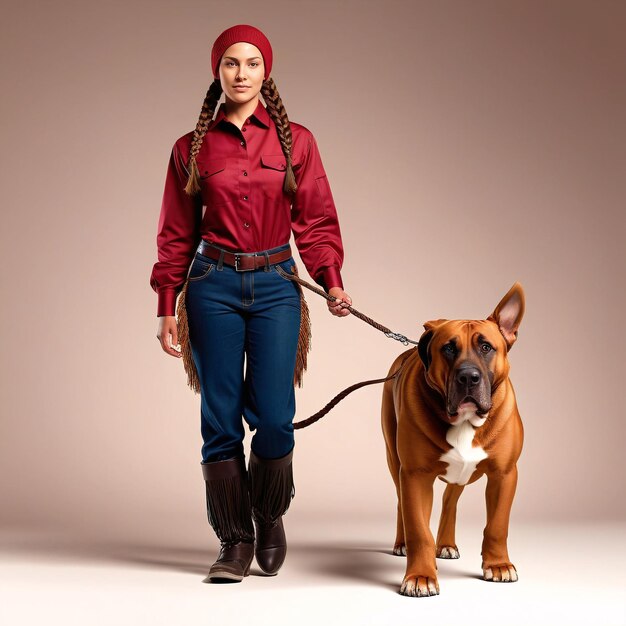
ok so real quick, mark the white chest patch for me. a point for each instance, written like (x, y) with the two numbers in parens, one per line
(463, 458)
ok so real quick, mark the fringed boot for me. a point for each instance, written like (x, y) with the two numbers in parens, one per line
(229, 513)
(271, 490)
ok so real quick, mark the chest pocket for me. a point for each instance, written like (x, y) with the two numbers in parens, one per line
(211, 167)
(271, 177)
(274, 161)
(217, 186)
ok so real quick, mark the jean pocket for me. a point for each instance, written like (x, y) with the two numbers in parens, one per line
(200, 269)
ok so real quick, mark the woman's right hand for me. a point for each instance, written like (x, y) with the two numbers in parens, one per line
(167, 334)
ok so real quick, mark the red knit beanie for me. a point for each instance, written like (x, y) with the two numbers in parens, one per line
(241, 32)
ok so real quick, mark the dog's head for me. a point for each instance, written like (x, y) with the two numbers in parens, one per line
(466, 360)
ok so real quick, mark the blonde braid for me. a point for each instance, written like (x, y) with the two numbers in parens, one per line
(278, 114)
(206, 115)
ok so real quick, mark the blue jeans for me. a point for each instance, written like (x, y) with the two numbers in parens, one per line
(232, 313)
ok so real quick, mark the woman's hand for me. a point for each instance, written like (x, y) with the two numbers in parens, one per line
(337, 307)
(168, 335)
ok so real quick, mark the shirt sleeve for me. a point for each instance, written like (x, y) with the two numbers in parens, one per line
(178, 235)
(314, 220)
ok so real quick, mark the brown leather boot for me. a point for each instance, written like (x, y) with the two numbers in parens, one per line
(230, 515)
(271, 491)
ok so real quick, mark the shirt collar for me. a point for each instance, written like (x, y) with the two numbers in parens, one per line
(260, 114)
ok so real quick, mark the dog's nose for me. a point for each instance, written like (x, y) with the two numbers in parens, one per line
(468, 376)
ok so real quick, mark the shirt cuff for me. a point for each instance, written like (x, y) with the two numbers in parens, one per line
(330, 277)
(166, 302)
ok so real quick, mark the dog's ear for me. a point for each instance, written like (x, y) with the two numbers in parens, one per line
(424, 340)
(422, 347)
(432, 324)
(508, 314)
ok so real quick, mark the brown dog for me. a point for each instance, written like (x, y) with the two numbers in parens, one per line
(451, 413)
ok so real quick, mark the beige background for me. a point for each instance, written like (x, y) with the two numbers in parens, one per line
(468, 145)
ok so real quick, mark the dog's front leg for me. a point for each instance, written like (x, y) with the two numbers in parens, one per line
(446, 543)
(416, 490)
(499, 494)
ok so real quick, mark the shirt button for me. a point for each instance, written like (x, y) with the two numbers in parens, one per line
(248, 121)
(245, 197)
(244, 129)
(243, 143)
(246, 225)
(245, 173)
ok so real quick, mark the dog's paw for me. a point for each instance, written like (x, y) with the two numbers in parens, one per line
(399, 549)
(448, 552)
(419, 586)
(500, 573)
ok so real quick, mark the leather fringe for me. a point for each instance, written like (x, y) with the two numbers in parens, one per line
(228, 509)
(193, 380)
(271, 488)
(304, 339)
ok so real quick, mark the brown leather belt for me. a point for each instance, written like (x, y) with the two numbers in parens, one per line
(243, 261)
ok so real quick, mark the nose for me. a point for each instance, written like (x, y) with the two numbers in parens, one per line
(468, 376)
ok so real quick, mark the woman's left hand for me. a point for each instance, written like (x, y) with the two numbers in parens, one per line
(337, 307)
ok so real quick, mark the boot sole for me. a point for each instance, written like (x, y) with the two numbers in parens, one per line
(224, 576)
(270, 573)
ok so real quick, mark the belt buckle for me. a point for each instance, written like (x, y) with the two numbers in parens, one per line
(237, 269)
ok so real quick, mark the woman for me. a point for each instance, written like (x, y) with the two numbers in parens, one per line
(236, 187)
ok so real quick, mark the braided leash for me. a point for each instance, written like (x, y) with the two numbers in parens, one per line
(365, 318)
(341, 395)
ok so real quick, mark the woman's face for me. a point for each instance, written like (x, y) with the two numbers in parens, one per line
(241, 72)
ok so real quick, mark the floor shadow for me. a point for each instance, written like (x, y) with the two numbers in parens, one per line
(357, 562)
(366, 563)
(350, 568)
(174, 558)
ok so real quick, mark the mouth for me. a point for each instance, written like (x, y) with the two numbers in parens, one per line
(466, 404)
(241, 86)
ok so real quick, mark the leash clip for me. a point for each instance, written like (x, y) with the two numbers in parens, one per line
(399, 337)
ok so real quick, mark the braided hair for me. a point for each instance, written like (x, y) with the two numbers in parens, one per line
(277, 112)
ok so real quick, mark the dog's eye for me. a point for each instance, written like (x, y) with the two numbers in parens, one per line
(449, 349)
(485, 347)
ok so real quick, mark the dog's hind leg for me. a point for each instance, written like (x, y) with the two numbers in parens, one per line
(446, 544)
(390, 427)
(399, 545)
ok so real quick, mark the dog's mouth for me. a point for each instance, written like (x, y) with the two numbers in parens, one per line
(468, 403)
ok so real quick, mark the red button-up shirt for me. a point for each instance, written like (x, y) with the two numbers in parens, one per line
(241, 205)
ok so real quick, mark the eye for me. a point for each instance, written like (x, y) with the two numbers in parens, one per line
(255, 63)
(485, 348)
(449, 349)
